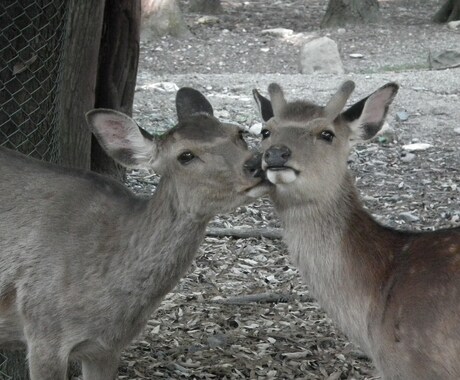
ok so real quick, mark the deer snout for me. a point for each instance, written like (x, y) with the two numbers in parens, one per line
(277, 155)
(253, 166)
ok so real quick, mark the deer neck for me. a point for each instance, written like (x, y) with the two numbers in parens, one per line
(336, 246)
(161, 246)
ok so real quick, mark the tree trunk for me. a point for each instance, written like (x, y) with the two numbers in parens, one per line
(343, 12)
(450, 11)
(78, 84)
(162, 17)
(211, 7)
(116, 79)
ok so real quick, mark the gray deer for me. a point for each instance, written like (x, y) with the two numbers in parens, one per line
(84, 262)
(395, 293)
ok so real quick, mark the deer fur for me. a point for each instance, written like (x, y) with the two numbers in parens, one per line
(395, 293)
(84, 262)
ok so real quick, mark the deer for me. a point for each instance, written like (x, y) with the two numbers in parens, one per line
(84, 262)
(396, 293)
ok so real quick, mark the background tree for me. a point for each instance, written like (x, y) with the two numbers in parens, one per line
(449, 11)
(162, 17)
(343, 12)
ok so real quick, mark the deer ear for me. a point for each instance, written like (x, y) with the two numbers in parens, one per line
(190, 101)
(366, 117)
(263, 105)
(122, 139)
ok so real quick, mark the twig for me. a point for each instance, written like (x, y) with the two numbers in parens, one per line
(270, 233)
(263, 298)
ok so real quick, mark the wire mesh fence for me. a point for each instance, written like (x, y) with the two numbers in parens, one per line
(31, 39)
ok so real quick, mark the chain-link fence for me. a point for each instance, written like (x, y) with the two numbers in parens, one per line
(31, 39)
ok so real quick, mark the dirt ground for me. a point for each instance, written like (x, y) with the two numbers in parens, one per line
(208, 327)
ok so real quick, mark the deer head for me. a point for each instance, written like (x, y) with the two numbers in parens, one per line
(206, 162)
(306, 146)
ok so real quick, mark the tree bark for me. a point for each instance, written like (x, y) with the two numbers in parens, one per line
(211, 7)
(116, 79)
(78, 84)
(162, 17)
(449, 11)
(343, 12)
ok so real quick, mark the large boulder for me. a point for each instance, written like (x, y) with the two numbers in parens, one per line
(320, 55)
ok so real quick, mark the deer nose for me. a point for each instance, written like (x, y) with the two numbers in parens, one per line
(253, 166)
(277, 155)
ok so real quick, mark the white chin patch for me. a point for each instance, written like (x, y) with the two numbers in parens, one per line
(281, 176)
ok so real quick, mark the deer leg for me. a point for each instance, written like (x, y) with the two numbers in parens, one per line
(46, 363)
(100, 368)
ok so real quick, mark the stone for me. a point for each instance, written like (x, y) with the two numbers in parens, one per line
(444, 59)
(255, 129)
(454, 25)
(320, 55)
(408, 157)
(409, 217)
(402, 116)
(356, 55)
(416, 147)
(457, 131)
(278, 32)
(208, 20)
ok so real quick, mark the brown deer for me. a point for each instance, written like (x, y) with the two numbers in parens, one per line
(395, 293)
(84, 262)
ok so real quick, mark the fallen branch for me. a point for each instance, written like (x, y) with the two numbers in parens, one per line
(270, 233)
(263, 298)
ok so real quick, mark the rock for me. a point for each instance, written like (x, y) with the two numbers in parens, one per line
(278, 32)
(222, 114)
(255, 129)
(299, 39)
(454, 25)
(416, 147)
(408, 217)
(356, 55)
(402, 116)
(161, 87)
(341, 30)
(208, 20)
(408, 157)
(320, 55)
(386, 135)
(444, 59)
(457, 131)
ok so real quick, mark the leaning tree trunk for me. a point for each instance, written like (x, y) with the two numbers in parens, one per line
(450, 11)
(116, 79)
(343, 12)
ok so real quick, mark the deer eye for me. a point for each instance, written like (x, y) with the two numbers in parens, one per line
(327, 136)
(265, 133)
(185, 157)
